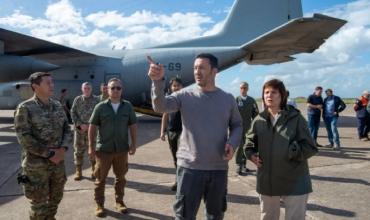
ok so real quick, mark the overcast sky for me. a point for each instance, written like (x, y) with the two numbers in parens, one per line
(342, 63)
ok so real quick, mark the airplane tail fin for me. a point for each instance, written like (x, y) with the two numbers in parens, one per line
(247, 20)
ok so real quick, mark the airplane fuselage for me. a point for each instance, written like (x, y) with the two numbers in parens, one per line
(131, 67)
(255, 31)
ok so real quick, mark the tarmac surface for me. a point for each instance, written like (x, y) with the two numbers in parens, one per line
(341, 180)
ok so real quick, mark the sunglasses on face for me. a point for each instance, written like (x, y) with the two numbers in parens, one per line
(116, 88)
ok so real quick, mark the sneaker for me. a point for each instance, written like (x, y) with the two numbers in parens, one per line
(364, 139)
(174, 187)
(99, 211)
(121, 207)
(336, 147)
(318, 145)
(330, 145)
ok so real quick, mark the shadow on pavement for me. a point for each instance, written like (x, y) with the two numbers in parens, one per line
(331, 211)
(143, 213)
(251, 200)
(345, 153)
(143, 187)
(6, 120)
(148, 131)
(11, 139)
(151, 168)
(340, 180)
(7, 129)
(150, 188)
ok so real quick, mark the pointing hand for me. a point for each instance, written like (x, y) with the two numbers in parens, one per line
(156, 71)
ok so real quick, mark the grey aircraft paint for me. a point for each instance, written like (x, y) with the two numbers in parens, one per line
(255, 31)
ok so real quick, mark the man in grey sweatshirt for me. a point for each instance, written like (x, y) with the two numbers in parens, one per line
(211, 131)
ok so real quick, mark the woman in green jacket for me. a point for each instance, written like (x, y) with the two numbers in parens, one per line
(279, 144)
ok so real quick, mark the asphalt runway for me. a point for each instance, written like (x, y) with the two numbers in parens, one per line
(341, 180)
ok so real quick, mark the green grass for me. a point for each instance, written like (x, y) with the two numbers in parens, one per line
(303, 100)
(345, 100)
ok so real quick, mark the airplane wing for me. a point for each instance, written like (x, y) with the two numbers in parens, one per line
(22, 45)
(301, 35)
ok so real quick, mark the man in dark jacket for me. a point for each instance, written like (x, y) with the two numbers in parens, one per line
(332, 106)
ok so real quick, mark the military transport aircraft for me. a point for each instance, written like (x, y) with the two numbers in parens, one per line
(256, 32)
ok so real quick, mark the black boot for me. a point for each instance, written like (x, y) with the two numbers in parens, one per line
(239, 170)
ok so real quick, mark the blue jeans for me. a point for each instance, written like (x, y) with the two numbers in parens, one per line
(313, 125)
(193, 185)
(331, 128)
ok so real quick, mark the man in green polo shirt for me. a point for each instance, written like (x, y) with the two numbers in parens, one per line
(111, 120)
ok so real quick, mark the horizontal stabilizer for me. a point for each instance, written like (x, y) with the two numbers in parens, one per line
(301, 35)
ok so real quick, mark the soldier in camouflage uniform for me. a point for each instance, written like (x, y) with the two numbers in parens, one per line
(43, 132)
(103, 92)
(82, 109)
(248, 110)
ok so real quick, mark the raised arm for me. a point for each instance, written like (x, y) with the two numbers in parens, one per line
(159, 101)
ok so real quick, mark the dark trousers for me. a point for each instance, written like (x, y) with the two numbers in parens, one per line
(193, 185)
(363, 127)
(173, 141)
(240, 158)
(313, 125)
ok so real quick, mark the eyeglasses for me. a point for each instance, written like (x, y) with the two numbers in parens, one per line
(243, 87)
(116, 88)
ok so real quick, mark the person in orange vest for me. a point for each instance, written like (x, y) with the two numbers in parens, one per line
(362, 115)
